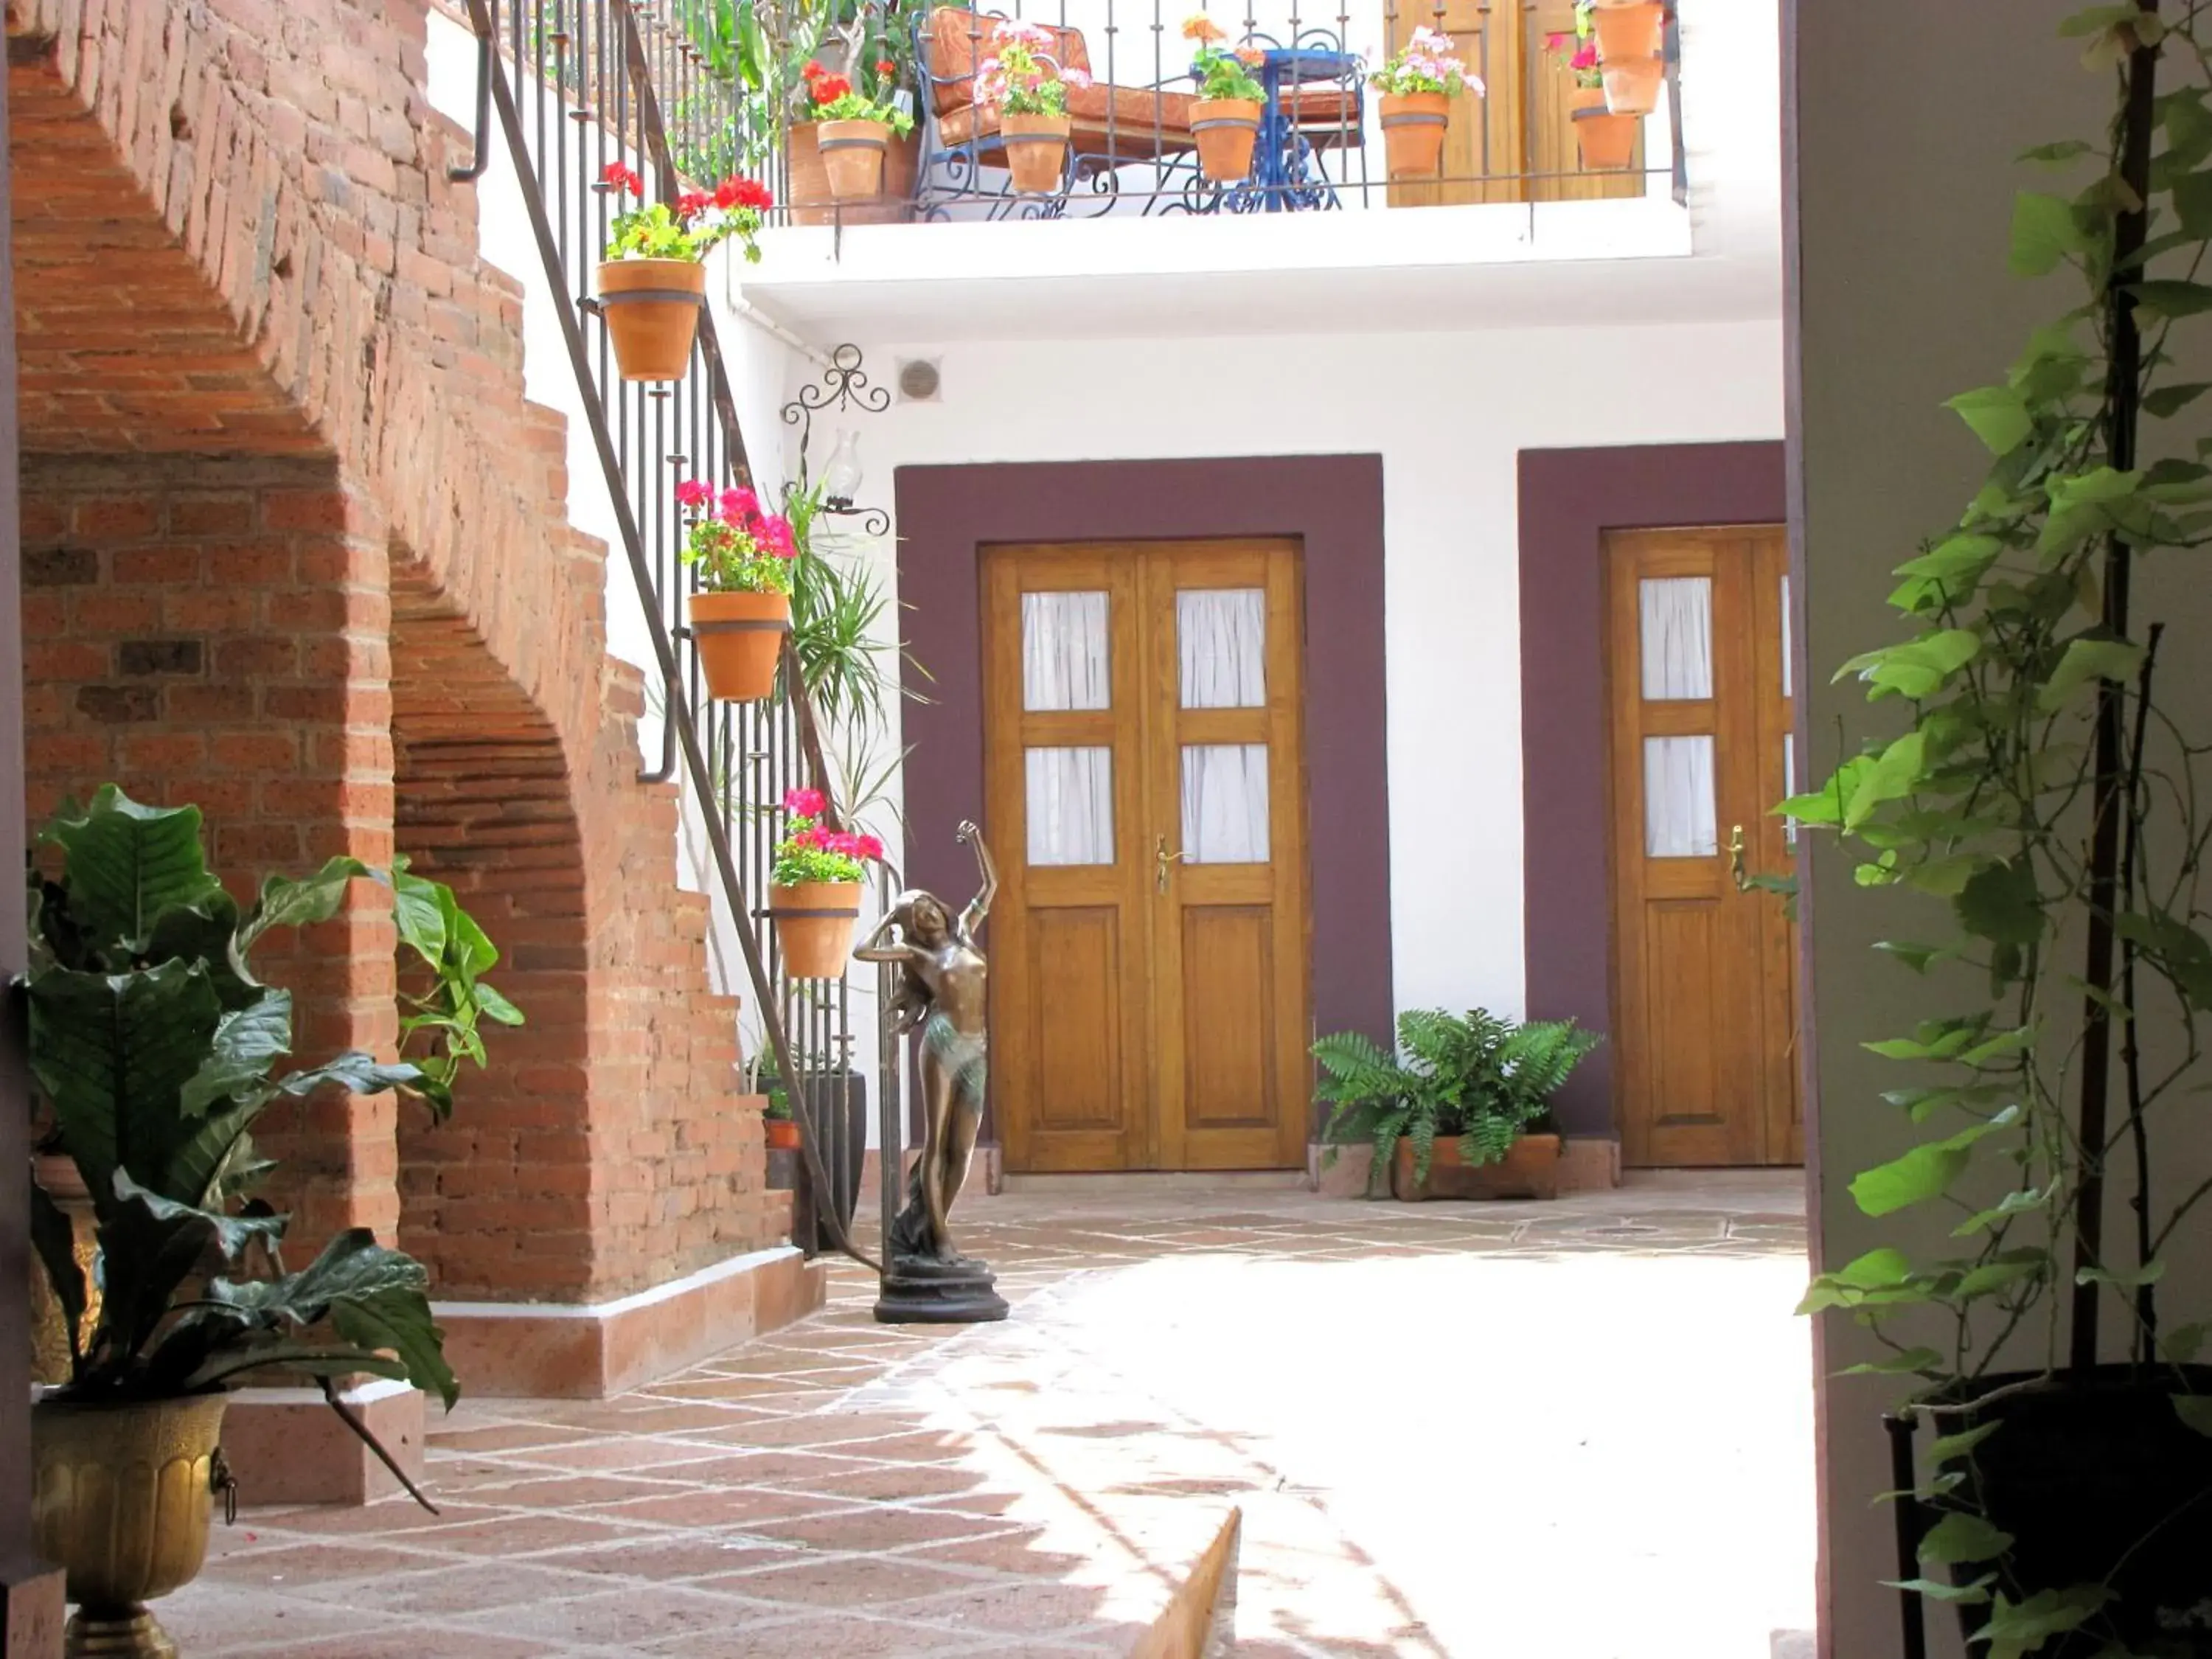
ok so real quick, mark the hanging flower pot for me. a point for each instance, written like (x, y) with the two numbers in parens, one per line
(1607, 141)
(740, 638)
(852, 157)
(814, 923)
(814, 890)
(651, 284)
(120, 1502)
(1632, 88)
(1628, 32)
(1226, 130)
(1413, 125)
(1036, 151)
(652, 313)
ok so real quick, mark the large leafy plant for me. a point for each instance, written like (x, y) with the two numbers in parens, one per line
(1475, 1076)
(2042, 802)
(156, 1049)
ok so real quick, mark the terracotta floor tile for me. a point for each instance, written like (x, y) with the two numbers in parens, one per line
(471, 1587)
(686, 1555)
(844, 1582)
(631, 1616)
(522, 1534)
(721, 1506)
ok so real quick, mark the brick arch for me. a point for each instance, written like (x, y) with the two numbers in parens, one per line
(238, 242)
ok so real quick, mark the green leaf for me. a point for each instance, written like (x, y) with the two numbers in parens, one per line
(2005, 1269)
(1940, 1590)
(2013, 1204)
(419, 916)
(1917, 668)
(400, 1320)
(316, 1358)
(2096, 19)
(2066, 149)
(286, 903)
(2015, 1630)
(2169, 400)
(2042, 234)
(1951, 1447)
(197, 1168)
(128, 862)
(2001, 904)
(1895, 773)
(246, 1044)
(1997, 414)
(149, 1246)
(2124, 1279)
(2171, 299)
(1925, 1172)
(2183, 1343)
(361, 1074)
(1962, 1537)
(113, 1054)
(2194, 1410)
(497, 1007)
(2086, 661)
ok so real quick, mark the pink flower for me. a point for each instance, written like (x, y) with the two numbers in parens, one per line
(868, 847)
(844, 844)
(1075, 77)
(739, 506)
(774, 534)
(804, 803)
(694, 493)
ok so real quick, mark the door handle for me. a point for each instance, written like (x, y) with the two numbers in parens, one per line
(1161, 859)
(1735, 859)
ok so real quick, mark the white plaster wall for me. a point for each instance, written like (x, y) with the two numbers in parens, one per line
(1450, 414)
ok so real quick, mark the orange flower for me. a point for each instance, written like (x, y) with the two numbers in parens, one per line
(1203, 28)
(1251, 56)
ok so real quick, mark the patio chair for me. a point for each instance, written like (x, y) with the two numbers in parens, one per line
(1111, 126)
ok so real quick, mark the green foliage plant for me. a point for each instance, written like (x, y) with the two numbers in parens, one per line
(1475, 1076)
(154, 1048)
(2042, 804)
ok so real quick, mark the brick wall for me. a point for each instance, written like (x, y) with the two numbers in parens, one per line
(238, 252)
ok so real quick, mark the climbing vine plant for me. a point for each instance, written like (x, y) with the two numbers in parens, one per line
(2046, 803)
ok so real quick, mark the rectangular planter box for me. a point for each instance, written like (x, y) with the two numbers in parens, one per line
(1529, 1169)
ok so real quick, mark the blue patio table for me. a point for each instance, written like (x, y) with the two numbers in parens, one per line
(1284, 178)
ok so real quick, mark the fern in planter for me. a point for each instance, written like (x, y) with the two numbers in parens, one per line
(1483, 1079)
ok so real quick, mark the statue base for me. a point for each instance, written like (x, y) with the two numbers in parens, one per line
(923, 1291)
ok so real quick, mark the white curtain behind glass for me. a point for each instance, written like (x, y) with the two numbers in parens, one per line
(1064, 665)
(1071, 806)
(1224, 803)
(1677, 637)
(1678, 798)
(1221, 635)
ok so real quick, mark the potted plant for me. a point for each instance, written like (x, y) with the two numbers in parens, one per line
(2036, 808)
(155, 1049)
(1417, 82)
(778, 1125)
(652, 281)
(1631, 37)
(1607, 141)
(1226, 116)
(1450, 1114)
(814, 891)
(742, 558)
(852, 128)
(1029, 88)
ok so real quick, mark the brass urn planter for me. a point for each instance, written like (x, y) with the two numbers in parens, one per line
(121, 1499)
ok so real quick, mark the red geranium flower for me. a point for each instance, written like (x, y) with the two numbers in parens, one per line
(693, 202)
(804, 803)
(692, 492)
(744, 193)
(829, 89)
(620, 178)
(813, 72)
(885, 66)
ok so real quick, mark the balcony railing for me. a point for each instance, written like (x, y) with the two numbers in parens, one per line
(1133, 150)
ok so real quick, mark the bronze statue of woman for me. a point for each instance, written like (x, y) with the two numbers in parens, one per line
(942, 991)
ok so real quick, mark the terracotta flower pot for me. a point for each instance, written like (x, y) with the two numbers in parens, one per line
(1413, 125)
(1530, 1169)
(1631, 31)
(814, 923)
(1632, 88)
(120, 1502)
(739, 637)
(812, 202)
(1607, 141)
(1226, 129)
(852, 157)
(652, 313)
(1036, 151)
(782, 1133)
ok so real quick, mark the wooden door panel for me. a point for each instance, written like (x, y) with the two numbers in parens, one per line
(1228, 1018)
(1148, 1010)
(1552, 149)
(1702, 977)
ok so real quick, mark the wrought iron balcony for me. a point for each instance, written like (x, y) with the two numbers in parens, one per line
(1542, 133)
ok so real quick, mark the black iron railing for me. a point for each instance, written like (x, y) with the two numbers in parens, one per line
(577, 85)
(1133, 150)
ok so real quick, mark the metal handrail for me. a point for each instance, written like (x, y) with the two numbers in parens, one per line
(569, 32)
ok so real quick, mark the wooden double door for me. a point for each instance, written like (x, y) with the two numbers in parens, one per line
(1702, 748)
(1145, 788)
